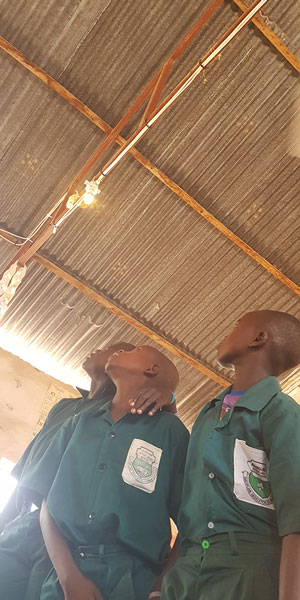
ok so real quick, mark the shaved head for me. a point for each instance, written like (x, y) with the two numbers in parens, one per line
(283, 331)
(269, 333)
(146, 362)
(167, 376)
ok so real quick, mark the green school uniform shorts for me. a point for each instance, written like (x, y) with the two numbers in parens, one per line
(117, 574)
(227, 566)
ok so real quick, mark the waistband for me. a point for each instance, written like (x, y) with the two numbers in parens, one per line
(100, 550)
(234, 542)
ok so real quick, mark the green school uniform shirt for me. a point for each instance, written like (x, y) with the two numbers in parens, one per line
(58, 415)
(243, 472)
(114, 482)
(25, 531)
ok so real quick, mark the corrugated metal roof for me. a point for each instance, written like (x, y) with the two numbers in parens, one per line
(227, 142)
(47, 313)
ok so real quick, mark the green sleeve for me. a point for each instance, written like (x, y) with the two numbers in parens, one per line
(40, 473)
(22, 462)
(20, 465)
(177, 476)
(281, 438)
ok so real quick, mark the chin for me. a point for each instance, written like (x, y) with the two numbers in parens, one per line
(224, 363)
(108, 367)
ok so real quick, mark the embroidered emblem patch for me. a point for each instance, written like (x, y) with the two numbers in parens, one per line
(251, 475)
(141, 466)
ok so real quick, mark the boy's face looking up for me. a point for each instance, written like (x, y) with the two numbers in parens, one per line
(269, 336)
(245, 336)
(146, 364)
(96, 361)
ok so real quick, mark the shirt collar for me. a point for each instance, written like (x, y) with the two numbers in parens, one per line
(260, 394)
(254, 399)
(217, 399)
(84, 393)
(106, 392)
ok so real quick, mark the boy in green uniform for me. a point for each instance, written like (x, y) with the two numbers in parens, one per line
(111, 481)
(101, 389)
(24, 561)
(239, 521)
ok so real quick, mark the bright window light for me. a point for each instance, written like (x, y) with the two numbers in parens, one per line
(7, 482)
(41, 360)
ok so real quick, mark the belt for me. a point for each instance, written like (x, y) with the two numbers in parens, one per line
(235, 542)
(100, 550)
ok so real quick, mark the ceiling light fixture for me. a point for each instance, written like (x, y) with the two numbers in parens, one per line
(91, 190)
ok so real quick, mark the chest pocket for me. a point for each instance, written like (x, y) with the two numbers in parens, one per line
(141, 466)
(251, 475)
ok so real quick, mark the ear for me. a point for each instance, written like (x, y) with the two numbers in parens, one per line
(260, 340)
(152, 371)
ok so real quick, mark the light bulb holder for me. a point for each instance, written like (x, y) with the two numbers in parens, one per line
(92, 187)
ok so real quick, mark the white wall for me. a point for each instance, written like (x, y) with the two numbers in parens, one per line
(26, 396)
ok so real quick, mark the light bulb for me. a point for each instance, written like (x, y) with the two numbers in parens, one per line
(88, 198)
(91, 190)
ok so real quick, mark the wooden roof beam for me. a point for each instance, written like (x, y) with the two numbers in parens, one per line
(120, 312)
(155, 171)
(271, 37)
(269, 267)
(64, 93)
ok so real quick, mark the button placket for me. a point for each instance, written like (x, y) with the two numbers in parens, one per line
(105, 451)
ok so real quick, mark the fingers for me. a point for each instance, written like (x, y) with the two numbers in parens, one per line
(162, 399)
(143, 400)
(154, 409)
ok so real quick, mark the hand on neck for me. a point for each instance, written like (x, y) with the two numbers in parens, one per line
(126, 389)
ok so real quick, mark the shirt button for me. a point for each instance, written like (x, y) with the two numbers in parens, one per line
(211, 475)
(102, 467)
(210, 525)
(112, 434)
(92, 516)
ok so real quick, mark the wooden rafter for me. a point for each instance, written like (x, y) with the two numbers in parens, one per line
(58, 88)
(161, 82)
(44, 230)
(272, 37)
(139, 157)
(120, 312)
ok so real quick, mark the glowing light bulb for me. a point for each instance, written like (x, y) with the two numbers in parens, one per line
(88, 198)
(91, 190)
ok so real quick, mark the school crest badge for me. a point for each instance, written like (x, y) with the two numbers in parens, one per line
(251, 475)
(141, 466)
